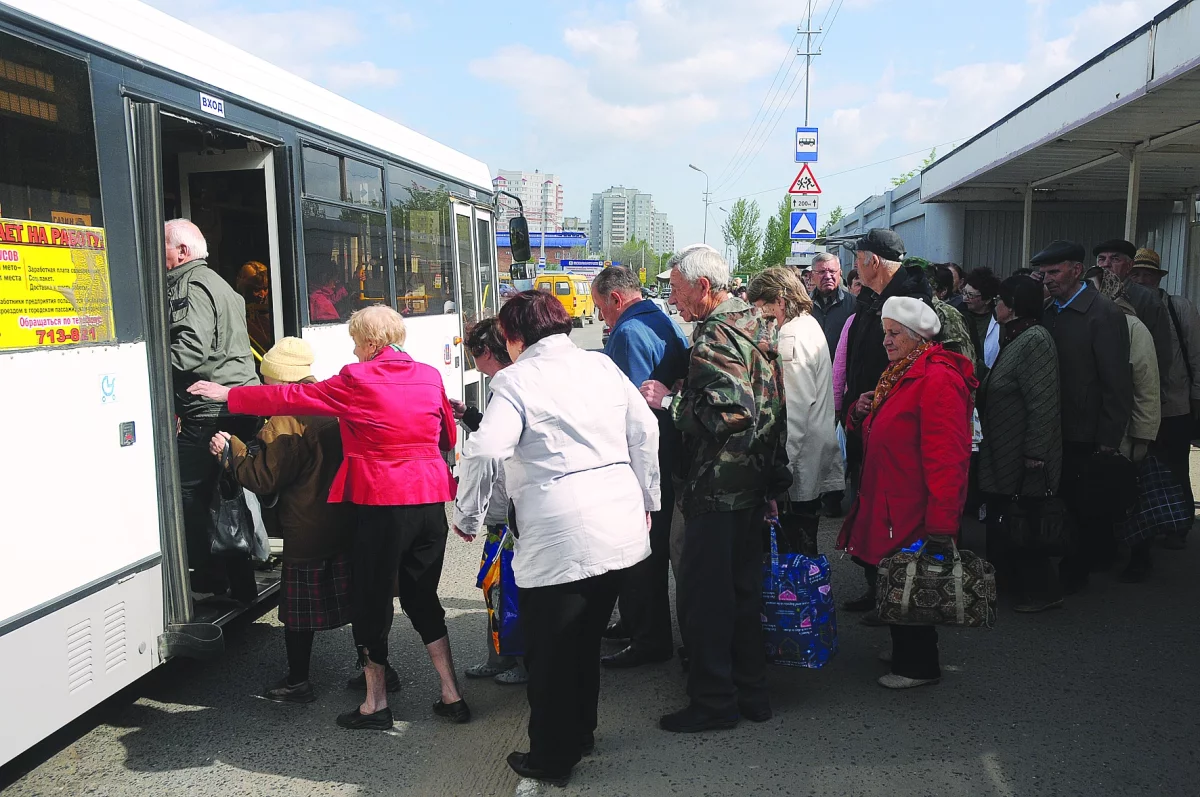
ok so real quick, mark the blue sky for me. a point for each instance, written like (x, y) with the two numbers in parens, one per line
(630, 93)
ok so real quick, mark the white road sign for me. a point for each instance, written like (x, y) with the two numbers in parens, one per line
(805, 202)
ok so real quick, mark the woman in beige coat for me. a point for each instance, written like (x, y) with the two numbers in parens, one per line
(812, 447)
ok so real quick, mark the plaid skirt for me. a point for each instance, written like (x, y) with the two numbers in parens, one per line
(315, 596)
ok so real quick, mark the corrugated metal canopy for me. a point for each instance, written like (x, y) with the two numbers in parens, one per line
(1077, 139)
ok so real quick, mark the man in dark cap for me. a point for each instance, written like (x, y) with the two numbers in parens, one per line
(1181, 399)
(877, 257)
(1117, 256)
(1092, 339)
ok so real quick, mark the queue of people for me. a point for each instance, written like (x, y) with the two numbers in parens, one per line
(580, 458)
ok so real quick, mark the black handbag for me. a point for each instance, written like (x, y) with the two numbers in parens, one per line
(1037, 523)
(231, 532)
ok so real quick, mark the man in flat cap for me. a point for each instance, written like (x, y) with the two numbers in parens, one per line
(877, 257)
(1117, 256)
(1092, 339)
(1181, 393)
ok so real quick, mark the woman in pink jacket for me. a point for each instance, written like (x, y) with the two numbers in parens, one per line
(395, 422)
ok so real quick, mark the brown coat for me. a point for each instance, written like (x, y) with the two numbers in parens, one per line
(296, 460)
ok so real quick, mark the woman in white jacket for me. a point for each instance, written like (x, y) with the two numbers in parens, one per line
(579, 448)
(812, 446)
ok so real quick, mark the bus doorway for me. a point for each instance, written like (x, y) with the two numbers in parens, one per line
(225, 184)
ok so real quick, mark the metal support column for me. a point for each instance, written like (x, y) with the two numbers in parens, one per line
(1131, 196)
(1027, 228)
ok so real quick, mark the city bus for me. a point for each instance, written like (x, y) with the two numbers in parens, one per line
(114, 118)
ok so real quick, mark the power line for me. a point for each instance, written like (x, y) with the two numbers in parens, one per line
(844, 171)
(784, 107)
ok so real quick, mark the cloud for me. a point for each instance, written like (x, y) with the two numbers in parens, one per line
(647, 69)
(364, 74)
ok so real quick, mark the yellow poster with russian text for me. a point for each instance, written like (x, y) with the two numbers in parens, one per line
(54, 285)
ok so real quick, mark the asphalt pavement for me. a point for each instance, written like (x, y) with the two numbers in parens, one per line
(1097, 699)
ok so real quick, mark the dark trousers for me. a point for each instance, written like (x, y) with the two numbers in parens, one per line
(1032, 575)
(1093, 534)
(198, 470)
(915, 651)
(563, 624)
(1174, 445)
(402, 545)
(645, 602)
(299, 646)
(720, 589)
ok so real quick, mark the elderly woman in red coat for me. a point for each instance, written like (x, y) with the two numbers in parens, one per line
(395, 422)
(916, 428)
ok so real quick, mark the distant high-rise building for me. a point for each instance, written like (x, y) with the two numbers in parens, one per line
(663, 241)
(540, 193)
(621, 214)
(575, 224)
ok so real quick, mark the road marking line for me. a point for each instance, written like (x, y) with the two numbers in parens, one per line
(991, 765)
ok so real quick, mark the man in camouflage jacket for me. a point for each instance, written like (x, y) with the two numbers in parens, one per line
(730, 409)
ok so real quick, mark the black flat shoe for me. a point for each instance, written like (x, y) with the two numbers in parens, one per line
(381, 720)
(633, 657)
(760, 713)
(694, 720)
(283, 692)
(517, 761)
(615, 632)
(864, 603)
(360, 681)
(457, 712)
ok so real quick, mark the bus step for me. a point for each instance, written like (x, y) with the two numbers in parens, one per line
(191, 640)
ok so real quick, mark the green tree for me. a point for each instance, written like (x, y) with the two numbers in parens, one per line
(742, 231)
(901, 179)
(777, 245)
(634, 254)
(835, 215)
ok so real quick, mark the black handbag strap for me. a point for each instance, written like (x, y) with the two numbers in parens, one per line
(1187, 361)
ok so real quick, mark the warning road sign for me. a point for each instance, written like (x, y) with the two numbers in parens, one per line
(804, 225)
(805, 182)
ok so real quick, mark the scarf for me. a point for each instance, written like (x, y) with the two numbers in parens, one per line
(894, 372)
(1012, 329)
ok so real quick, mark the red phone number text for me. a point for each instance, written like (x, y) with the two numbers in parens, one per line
(51, 337)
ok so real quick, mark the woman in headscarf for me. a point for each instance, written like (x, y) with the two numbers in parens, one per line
(916, 428)
(1021, 451)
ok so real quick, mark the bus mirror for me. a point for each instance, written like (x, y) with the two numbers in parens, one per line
(518, 239)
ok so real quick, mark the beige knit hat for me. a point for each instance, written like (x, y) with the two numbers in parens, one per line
(289, 360)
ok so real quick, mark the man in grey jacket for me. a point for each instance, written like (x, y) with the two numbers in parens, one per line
(1181, 395)
(208, 342)
(1117, 256)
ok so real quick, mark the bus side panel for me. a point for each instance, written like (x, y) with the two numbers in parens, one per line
(67, 662)
(429, 340)
(79, 504)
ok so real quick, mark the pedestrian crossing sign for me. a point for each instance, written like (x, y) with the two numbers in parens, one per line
(804, 225)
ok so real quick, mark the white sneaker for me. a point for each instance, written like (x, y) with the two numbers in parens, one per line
(893, 681)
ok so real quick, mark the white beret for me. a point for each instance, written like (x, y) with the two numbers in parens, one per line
(914, 314)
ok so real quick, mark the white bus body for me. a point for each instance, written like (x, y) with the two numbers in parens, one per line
(154, 118)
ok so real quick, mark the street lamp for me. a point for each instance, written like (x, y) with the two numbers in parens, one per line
(727, 260)
(697, 168)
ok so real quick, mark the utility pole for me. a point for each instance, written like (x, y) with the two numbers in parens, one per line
(808, 54)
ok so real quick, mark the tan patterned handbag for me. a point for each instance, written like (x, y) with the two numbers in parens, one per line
(937, 586)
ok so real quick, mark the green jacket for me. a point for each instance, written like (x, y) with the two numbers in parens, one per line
(208, 337)
(731, 413)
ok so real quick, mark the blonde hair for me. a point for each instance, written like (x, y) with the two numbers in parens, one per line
(780, 283)
(377, 325)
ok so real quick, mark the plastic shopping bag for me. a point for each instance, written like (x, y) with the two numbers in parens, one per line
(798, 613)
(499, 587)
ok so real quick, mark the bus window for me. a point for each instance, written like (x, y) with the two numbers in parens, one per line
(466, 271)
(562, 289)
(489, 299)
(421, 243)
(582, 288)
(53, 252)
(544, 287)
(345, 260)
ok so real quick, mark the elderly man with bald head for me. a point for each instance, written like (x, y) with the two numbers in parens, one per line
(209, 342)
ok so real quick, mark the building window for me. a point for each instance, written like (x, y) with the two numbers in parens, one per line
(53, 248)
